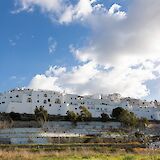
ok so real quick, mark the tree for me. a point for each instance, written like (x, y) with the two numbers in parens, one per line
(104, 117)
(41, 115)
(72, 116)
(125, 117)
(128, 119)
(85, 114)
(116, 112)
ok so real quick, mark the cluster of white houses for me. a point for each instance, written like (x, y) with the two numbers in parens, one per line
(56, 103)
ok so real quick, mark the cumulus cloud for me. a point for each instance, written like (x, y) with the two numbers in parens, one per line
(90, 78)
(115, 10)
(122, 54)
(55, 71)
(44, 82)
(62, 11)
(134, 37)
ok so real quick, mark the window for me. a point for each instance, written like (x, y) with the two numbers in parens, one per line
(71, 97)
(10, 97)
(3, 102)
(71, 103)
(29, 100)
(17, 96)
(50, 105)
(45, 95)
(38, 101)
(44, 101)
(75, 108)
(49, 100)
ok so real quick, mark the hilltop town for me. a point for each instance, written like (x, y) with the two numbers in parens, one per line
(56, 103)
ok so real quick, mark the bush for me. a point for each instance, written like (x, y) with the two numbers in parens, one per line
(104, 117)
(84, 115)
(116, 112)
(125, 117)
(128, 119)
(15, 116)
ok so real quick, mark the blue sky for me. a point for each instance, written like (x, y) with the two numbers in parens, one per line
(80, 46)
(29, 55)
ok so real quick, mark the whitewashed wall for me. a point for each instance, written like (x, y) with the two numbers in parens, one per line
(25, 101)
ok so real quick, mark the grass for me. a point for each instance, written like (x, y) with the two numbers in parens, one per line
(79, 154)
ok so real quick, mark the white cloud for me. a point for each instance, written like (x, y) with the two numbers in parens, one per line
(121, 55)
(62, 11)
(91, 78)
(134, 37)
(45, 5)
(115, 10)
(44, 82)
(67, 16)
(83, 9)
(55, 71)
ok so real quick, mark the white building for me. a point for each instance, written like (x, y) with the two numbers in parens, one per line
(56, 103)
